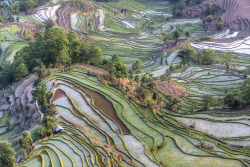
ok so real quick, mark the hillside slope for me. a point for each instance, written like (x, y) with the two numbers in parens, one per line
(236, 16)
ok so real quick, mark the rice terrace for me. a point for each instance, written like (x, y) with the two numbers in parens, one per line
(103, 83)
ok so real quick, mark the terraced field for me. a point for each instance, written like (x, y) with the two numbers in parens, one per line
(13, 38)
(93, 137)
(239, 46)
(9, 50)
(102, 127)
(133, 35)
(199, 81)
(19, 113)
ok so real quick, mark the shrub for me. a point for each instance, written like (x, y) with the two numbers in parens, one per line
(209, 18)
(203, 38)
(233, 100)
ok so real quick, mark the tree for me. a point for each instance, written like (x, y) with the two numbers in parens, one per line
(178, 8)
(225, 59)
(160, 100)
(40, 27)
(21, 71)
(55, 37)
(144, 79)
(7, 155)
(49, 23)
(26, 141)
(190, 53)
(209, 18)
(150, 103)
(40, 71)
(96, 56)
(71, 36)
(141, 91)
(152, 84)
(137, 65)
(166, 37)
(137, 78)
(53, 110)
(245, 88)
(28, 4)
(40, 94)
(206, 57)
(219, 23)
(121, 70)
(49, 123)
(163, 78)
(209, 8)
(188, 34)
(115, 58)
(232, 100)
(89, 28)
(207, 101)
(176, 35)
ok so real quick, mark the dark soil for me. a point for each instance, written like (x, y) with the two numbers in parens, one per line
(58, 94)
(107, 108)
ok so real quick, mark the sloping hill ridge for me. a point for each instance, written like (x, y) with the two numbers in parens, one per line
(236, 17)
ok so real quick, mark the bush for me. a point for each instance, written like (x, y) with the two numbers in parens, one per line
(219, 25)
(203, 38)
(233, 100)
(209, 18)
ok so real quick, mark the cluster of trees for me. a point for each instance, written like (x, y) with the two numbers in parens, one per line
(203, 38)
(11, 72)
(57, 47)
(25, 5)
(115, 67)
(147, 84)
(4, 9)
(212, 9)
(214, 12)
(7, 155)
(41, 95)
(205, 57)
(165, 78)
(52, 48)
(232, 100)
(3, 19)
(175, 35)
(180, 5)
(219, 23)
(49, 122)
(48, 126)
(26, 143)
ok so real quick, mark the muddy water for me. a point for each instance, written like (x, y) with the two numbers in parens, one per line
(107, 108)
(58, 94)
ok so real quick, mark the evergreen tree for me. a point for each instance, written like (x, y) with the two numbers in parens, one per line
(49, 23)
(188, 34)
(246, 91)
(176, 35)
(116, 58)
(163, 78)
(232, 100)
(137, 65)
(71, 36)
(26, 141)
(121, 70)
(207, 101)
(137, 79)
(7, 155)
(40, 94)
(21, 71)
